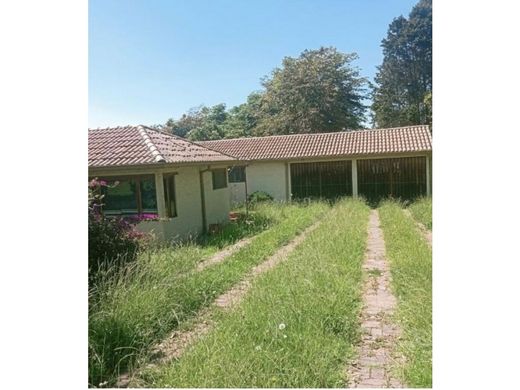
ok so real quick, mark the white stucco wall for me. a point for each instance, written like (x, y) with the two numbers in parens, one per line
(217, 202)
(189, 212)
(188, 221)
(237, 193)
(268, 177)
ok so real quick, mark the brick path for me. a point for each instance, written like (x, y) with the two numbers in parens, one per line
(372, 369)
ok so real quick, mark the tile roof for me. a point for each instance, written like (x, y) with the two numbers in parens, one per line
(345, 143)
(137, 145)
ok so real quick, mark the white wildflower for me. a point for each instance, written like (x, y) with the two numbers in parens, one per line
(281, 326)
(284, 336)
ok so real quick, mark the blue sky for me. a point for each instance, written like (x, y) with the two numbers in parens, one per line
(153, 60)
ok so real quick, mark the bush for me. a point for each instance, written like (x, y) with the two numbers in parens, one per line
(259, 196)
(110, 240)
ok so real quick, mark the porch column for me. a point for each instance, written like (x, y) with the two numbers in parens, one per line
(354, 179)
(287, 181)
(428, 177)
(159, 191)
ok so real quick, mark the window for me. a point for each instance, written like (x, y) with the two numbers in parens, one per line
(131, 195)
(169, 195)
(237, 175)
(219, 178)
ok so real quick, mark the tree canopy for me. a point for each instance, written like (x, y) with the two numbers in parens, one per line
(402, 93)
(322, 91)
(319, 91)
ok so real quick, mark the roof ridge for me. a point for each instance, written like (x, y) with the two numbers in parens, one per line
(314, 134)
(175, 136)
(151, 146)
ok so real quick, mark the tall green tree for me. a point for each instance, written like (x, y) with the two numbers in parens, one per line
(200, 123)
(243, 119)
(319, 91)
(402, 93)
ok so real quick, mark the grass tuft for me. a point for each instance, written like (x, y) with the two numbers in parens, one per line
(421, 210)
(132, 308)
(411, 266)
(298, 324)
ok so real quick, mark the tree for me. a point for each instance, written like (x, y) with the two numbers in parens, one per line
(404, 79)
(243, 119)
(320, 91)
(200, 123)
(187, 122)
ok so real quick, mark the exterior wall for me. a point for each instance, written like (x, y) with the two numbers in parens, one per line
(271, 176)
(268, 177)
(217, 202)
(237, 193)
(188, 221)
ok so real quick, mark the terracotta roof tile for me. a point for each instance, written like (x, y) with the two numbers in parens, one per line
(345, 143)
(137, 145)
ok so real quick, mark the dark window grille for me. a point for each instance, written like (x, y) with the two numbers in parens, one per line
(237, 175)
(327, 180)
(219, 178)
(403, 178)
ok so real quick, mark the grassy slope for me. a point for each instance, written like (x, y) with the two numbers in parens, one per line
(315, 294)
(138, 308)
(422, 211)
(411, 266)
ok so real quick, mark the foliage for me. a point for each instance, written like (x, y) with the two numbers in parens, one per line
(259, 196)
(421, 210)
(410, 260)
(243, 119)
(200, 123)
(402, 94)
(320, 91)
(110, 240)
(138, 305)
(296, 327)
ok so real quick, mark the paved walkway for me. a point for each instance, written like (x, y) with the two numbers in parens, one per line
(372, 369)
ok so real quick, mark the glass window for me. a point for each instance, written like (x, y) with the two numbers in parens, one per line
(219, 178)
(237, 175)
(129, 195)
(169, 195)
(121, 198)
(148, 197)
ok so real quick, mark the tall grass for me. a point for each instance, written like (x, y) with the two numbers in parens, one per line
(297, 325)
(421, 210)
(411, 267)
(137, 306)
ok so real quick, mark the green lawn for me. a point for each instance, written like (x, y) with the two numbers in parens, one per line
(141, 304)
(411, 266)
(421, 210)
(298, 324)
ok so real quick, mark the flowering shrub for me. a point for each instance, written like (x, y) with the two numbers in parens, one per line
(110, 240)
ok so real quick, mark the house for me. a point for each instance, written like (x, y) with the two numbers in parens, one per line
(372, 163)
(181, 182)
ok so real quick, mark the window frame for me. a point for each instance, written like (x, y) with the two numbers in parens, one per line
(168, 192)
(232, 174)
(225, 174)
(138, 196)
